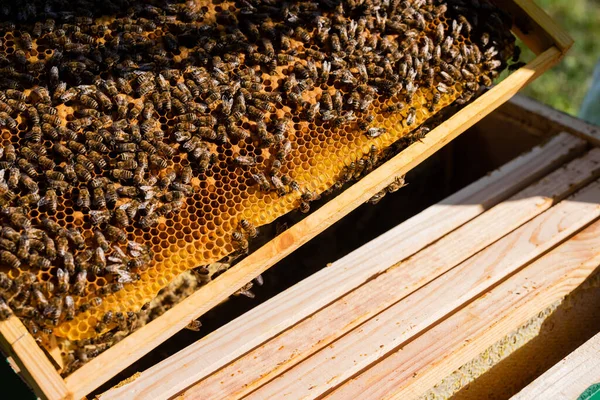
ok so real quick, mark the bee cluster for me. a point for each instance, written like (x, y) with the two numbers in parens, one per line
(142, 139)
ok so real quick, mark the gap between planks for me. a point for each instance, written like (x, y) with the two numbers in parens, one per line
(314, 333)
(380, 335)
(419, 365)
(570, 377)
(264, 321)
(130, 349)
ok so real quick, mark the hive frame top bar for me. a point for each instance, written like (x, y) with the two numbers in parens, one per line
(533, 26)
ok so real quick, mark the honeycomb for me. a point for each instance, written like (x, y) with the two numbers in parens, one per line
(140, 140)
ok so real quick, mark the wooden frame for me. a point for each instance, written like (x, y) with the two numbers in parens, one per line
(543, 36)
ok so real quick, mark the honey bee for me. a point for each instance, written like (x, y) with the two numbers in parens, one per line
(239, 240)
(246, 161)
(249, 228)
(121, 217)
(39, 262)
(14, 177)
(29, 183)
(8, 245)
(49, 201)
(5, 107)
(83, 199)
(262, 181)
(122, 174)
(194, 325)
(76, 238)
(10, 155)
(410, 117)
(392, 108)
(69, 263)
(69, 308)
(80, 283)
(377, 197)
(375, 132)
(278, 185)
(62, 277)
(145, 146)
(9, 259)
(83, 174)
(5, 311)
(186, 175)
(28, 199)
(99, 199)
(16, 95)
(116, 234)
(8, 121)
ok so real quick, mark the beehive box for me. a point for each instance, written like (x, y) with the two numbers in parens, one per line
(191, 238)
(398, 314)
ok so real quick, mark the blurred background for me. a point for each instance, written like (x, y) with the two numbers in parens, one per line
(564, 86)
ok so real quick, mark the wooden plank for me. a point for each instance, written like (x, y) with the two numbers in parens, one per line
(423, 362)
(34, 365)
(543, 117)
(318, 290)
(386, 331)
(130, 349)
(570, 377)
(314, 333)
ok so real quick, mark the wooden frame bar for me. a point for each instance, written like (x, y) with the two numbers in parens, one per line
(549, 41)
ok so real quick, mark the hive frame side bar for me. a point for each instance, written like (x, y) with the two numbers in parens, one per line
(433, 302)
(562, 40)
(303, 299)
(130, 349)
(35, 366)
(534, 26)
(399, 281)
(547, 116)
(420, 364)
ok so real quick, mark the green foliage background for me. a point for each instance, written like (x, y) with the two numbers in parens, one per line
(564, 86)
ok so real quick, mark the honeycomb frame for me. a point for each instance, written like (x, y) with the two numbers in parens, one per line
(325, 164)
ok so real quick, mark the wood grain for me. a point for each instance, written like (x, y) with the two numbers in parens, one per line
(109, 363)
(314, 333)
(423, 362)
(318, 290)
(35, 367)
(434, 301)
(570, 377)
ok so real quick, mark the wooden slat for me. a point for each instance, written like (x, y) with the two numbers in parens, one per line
(314, 333)
(434, 301)
(142, 341)
(423, 362)
(570, 377)
(35, 367)
(318, 290)
(543, 117)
